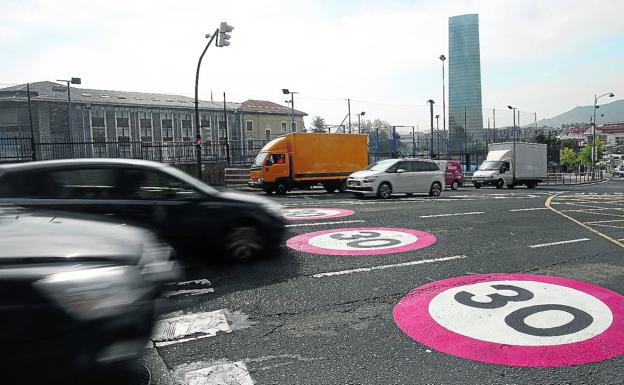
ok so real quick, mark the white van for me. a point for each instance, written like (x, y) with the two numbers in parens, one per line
(395, 176)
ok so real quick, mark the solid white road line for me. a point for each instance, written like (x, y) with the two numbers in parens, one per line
(323, 223)
(530, 209)
(382, 267)
(199, 325)
(235, 373)
(452, 215)
(175, 293)
(560, 243)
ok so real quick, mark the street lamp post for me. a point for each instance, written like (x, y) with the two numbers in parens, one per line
(594, 149)
(437, 117)
(69, 114)
(224, 41)
(513, 130)
(285, 91)
(359, 126)
(431, 102)
(443, 58)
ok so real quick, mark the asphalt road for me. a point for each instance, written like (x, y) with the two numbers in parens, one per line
(313, 316)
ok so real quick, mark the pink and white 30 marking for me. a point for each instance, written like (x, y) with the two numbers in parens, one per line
(315, 213)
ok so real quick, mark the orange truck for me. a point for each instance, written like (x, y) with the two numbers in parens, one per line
(300, 160)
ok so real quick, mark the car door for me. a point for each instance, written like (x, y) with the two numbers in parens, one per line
(399, 176)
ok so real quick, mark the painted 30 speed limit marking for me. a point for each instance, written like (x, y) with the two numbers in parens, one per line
(315, 213)
(361, 241)
(516, 319)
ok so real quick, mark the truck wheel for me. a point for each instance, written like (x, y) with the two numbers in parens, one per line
(454, 185)
(531, 184)
(476, 184)
(385, 191)
(330, 187)
(500, 184)
(436, 190)
(342, 186)
(511, 186)
(281, 188)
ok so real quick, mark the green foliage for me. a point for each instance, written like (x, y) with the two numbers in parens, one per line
(568, 157)
(584, 155)
(318, 124)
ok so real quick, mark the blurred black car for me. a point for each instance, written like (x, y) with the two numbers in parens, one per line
(193, 217)
(77, 296)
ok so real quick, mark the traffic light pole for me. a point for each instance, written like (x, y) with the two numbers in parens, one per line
(198, 140)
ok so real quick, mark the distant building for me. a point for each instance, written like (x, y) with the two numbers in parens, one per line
(574, 133)
(464, 100)
(611, 134)
(264, 120)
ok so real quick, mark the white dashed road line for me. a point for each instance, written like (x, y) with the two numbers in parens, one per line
(324, 223)
(451, 215)
(530, 209)
(383, 267)
(190, 292)
(189, 327)
(235, 373)
(560, 243)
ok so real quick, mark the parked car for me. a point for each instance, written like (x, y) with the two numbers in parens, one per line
(196, 219)
(387, 177)
(453, 173)
(76, 295)
(618, 172)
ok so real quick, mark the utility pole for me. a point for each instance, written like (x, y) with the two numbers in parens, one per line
(494, 122)
(431, 102)
(227, 138)
(32, 129)
(466, 157)
(443, 58)
(413, 143)
(349, 108)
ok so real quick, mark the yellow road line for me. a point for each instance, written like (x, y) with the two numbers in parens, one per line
(605, 236)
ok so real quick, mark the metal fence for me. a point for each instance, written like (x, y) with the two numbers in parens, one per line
(20, 148)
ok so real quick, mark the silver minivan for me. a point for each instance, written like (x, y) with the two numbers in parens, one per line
(395, 176)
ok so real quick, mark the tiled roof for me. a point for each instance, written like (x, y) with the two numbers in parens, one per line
(612, 128)
(50, 91)
(266, 107)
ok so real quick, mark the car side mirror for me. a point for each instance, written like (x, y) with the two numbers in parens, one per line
(267, 162)
(400, 170)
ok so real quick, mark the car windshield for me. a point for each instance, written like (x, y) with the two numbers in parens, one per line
(382, 165)
(490, 165)
(259, 159)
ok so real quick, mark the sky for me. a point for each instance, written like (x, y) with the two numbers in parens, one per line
(544, 57)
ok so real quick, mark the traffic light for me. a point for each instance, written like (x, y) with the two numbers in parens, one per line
(224, 38)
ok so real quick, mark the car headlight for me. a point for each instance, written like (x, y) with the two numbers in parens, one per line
(369, 179)
(260, 180)
(89, 293)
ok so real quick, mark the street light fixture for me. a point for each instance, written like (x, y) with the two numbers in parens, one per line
(359, 127)
(69, 114)
(443, 58)
(594, 153)
(286, 91)
(513, 130)
(225, 41)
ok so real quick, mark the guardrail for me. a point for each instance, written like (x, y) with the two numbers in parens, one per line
(556, 178)
(236, 177)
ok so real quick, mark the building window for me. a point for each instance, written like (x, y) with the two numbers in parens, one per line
(166, 121)
(98, 124)
(250, 144)
(122, 118)
(294, 126)
(187, 126)
(249, 125)
(284, 126)
(267, 134)
(145, 126)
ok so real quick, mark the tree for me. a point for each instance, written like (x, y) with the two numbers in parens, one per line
(584, 155)
(570, 143)
(568, 157)
(318, 124)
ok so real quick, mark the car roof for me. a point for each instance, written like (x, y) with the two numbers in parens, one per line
(44, 164)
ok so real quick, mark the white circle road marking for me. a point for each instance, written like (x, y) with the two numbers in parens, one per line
(489, 324)
(315, 213)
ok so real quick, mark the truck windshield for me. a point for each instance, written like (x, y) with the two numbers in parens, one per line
(490, 165)
(382, 165)
(259, 159)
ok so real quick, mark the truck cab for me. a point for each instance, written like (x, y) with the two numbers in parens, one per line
(512, 164)
(271, 166)
(495, 170)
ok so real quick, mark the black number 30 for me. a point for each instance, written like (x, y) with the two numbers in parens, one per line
(517, 318)
(365, 240)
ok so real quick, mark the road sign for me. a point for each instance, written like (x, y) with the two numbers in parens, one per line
(515, 319)
(361, 241)
(315, 213)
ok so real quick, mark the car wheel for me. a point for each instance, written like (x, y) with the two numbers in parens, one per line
(281, 188)
(244, 243)
(454, 185)
(385, 191)
(436, 189)
(476, 185)
(342, 186)
(500, 184)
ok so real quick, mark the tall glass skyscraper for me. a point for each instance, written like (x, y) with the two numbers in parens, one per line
(465, 111)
